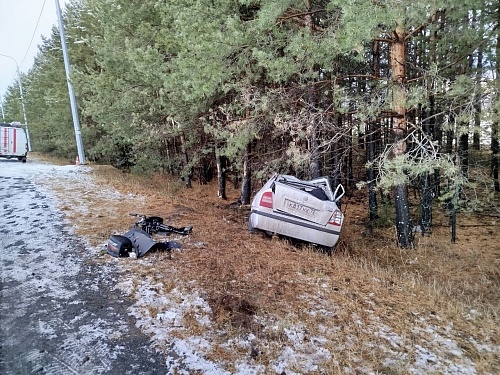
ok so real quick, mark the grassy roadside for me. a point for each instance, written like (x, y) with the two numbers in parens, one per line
(367, 302)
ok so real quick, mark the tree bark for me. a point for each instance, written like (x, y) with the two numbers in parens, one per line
(313, 130)
(312, 102)
(370, 174)
(426, 205)
(246, 190)
(476, 141)
(495, 127)
(463, 152)
(450, 136)
(371, 128)
(188, 172)
(425, 180)
(315, 161)
(495, 151)
(335, 160)
(221, 175)
(429, 125)
(246, 183)
(398, 62)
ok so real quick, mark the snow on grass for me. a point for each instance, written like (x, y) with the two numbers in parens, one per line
(180, 325)
(437, 350)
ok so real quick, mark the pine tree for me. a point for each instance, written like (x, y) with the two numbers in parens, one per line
(495, 127)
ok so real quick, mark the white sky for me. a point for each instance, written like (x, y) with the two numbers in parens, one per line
(22, 24)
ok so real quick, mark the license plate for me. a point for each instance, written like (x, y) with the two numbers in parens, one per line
(299, 208)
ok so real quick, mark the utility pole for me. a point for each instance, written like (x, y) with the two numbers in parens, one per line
(22, 100)
(74, 110)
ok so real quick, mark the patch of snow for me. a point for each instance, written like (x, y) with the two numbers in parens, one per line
(188, 359)
(161, 314)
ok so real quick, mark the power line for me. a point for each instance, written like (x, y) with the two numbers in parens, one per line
(34, 32)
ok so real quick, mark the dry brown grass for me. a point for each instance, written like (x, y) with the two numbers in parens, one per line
(244, 275)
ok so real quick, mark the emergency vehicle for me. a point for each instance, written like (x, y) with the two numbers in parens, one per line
(13, 141)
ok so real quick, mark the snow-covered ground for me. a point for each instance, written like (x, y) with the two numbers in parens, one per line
(159, 312)
(59, 313)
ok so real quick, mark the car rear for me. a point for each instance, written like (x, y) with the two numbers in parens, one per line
(298, 209)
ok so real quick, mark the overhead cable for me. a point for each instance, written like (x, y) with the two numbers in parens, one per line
(34, 33)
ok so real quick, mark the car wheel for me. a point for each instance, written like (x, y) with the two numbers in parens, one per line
(328, 250)
(269, 233)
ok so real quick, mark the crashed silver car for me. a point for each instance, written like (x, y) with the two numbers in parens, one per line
(305, 210)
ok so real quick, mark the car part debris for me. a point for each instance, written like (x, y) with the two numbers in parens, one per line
(154, 224)
(142, 241)
(119, 246)
(139, 240)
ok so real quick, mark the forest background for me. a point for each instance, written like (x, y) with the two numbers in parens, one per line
(378, 95)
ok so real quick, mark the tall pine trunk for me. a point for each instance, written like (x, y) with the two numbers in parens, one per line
(370, 174)
(425, 180)
(464, 127)
(188, 172)
(398, 62)
(335, 159)
(312, 102)
(495, 126)
(476, 142)
(371, 128)
(463, 152)
(429, 130)
(313, 133)
(246, 190)
(246, 182)
(220, 160)
(495, 155)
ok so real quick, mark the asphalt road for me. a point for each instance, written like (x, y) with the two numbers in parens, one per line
(59, 313)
